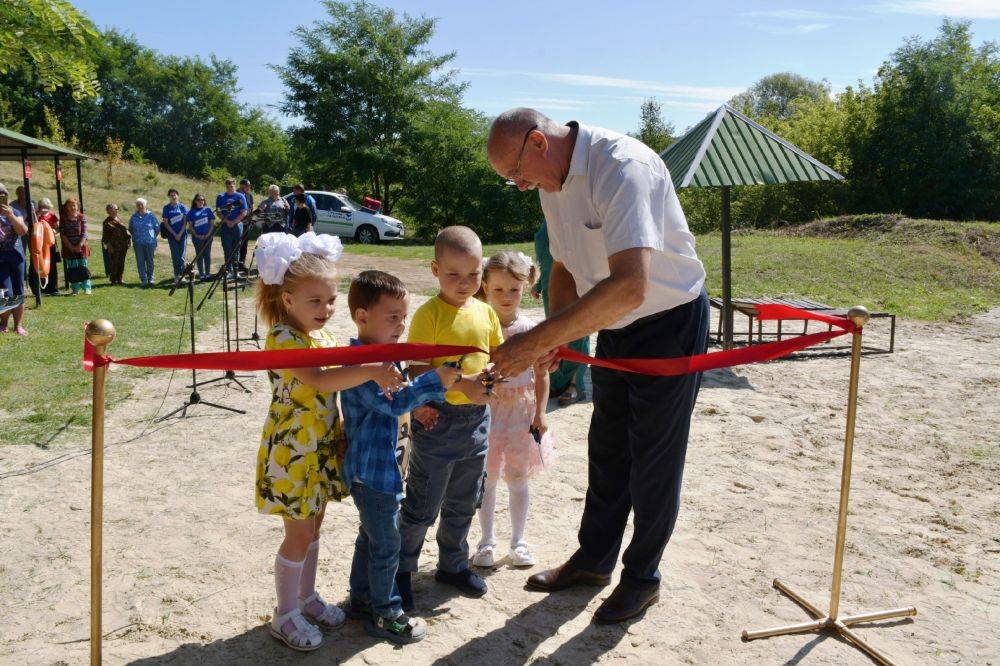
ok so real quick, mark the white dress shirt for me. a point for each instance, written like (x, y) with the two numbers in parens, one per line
(618, 195)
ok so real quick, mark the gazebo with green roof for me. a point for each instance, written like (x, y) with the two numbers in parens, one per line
(16, 147)
(726, 149)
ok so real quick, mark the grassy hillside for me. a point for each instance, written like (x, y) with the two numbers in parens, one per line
(129, 182)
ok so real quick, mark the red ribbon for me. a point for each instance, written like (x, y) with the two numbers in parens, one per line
(281, 358)
(412, 351)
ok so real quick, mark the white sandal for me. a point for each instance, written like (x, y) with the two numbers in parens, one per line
(484, 557)
(520, 556)
(303, 637)
(332, 616)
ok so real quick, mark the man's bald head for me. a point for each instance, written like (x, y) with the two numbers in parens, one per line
(457, 239)
(508, 129)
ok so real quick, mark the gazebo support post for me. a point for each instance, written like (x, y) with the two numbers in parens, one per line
(30, 219)
(79, 184)
(727, 286)
(59, 200)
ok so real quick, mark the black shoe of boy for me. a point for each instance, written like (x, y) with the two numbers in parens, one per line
(468, 582)
(405, 590)
(400, 630)
(358, 609)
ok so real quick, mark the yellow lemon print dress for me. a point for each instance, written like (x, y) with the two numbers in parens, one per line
(298, 469)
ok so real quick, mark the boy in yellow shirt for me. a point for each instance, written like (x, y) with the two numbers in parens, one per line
(448, 451)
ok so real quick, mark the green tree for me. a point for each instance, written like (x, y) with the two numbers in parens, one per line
(49, 40)
(773, 96)
(934, 144)
(654, 131)
(358, 81)
(460, 186)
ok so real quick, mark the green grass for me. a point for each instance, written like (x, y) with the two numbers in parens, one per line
(934, 271)
(44, 385)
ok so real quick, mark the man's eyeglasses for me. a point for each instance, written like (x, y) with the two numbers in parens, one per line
(515, 173)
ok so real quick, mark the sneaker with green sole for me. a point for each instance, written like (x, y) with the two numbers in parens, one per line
(400, 630)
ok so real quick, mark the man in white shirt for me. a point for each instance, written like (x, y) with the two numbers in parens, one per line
(624, 264)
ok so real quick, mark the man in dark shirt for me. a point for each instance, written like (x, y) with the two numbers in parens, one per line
(245, 190)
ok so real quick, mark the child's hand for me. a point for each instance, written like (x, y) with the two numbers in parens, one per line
(448, 375)
(540, 423)
(387, 376)
(427, 416)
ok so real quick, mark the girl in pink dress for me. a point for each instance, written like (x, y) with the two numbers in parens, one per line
(520, 444)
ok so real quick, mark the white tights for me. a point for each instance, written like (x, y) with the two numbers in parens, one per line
(517, 491)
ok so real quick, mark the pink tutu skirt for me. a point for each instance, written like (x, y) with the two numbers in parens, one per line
(513, 452)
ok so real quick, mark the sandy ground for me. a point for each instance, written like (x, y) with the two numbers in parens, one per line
(188, 561)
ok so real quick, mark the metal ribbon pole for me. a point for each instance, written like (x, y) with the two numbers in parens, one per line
(831, 621)
(100, 333)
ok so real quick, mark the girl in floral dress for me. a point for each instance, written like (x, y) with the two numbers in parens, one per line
(520, 444)
(298, 463)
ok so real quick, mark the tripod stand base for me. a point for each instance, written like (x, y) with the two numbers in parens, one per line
(838, 626)
(193, 400)
(228, 376)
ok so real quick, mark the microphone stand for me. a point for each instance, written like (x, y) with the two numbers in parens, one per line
(264, 218)
(195, 397)
(222, 276)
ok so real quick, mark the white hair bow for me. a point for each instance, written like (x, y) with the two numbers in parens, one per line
(526, 259)
(275, 252)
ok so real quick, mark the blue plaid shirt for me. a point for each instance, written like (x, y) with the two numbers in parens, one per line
(371, 422)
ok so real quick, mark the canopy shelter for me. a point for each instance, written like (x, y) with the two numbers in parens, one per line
(727, 149)
(16, 147)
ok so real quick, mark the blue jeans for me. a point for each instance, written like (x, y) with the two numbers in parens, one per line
(376, 551)
(205, 258)
(446, 475)
(177, 248)
(144, 261)
(231, 243)
(637, 444)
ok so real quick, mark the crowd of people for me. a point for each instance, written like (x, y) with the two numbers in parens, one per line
(66, 246)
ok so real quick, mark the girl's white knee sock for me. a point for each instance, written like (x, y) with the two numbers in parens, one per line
(486, 512)
(286, 583)
(518, 491)
(307, 583)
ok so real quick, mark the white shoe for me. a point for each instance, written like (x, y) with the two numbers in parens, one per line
(484, 556)
(330, 617)
(520, 556)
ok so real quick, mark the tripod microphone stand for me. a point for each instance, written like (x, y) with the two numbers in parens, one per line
(195, 397)
(266, 218)
(222, 277)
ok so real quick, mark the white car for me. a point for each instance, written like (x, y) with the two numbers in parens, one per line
(339, 215)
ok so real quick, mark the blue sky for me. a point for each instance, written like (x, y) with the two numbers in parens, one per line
(592, 61)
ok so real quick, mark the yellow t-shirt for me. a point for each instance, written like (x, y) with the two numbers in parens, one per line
(438, 323)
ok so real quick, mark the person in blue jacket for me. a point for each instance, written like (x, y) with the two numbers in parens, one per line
(175, 222)
(143, 227)
(232, 207)
(200, 221)
(310, 204)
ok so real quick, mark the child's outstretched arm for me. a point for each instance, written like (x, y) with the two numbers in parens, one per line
(386, 375)
(541, 398)
(418, 392)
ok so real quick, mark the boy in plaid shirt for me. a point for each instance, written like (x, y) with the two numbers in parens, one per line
(378, 303)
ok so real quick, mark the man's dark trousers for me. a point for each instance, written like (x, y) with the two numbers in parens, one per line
(638, 440)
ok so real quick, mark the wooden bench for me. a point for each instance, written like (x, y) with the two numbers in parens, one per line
(748, 308)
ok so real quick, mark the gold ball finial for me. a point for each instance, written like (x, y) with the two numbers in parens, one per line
(859, 315)
(100, 332)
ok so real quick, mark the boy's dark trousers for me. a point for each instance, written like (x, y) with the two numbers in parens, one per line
(637, 443)
(446, 473)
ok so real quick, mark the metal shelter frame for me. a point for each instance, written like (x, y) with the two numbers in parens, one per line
(725, 149)
(16, 147)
